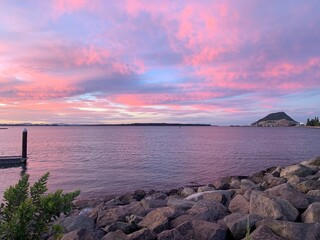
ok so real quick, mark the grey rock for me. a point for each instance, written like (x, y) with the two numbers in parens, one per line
(297, 169)
(140, 194)
(181, 219)
(208, 210)
(223, 183)
(272, 207)
(148, 203)
(180, 203)
(294, 180)
(314, 192)
(222, 196)
(181, 232)
(312, 214)
(203, 230)
(187, 192)
(124, 227)
(238, 223)
(263, 232)
(143, 234)
(247, 184)
(158, 219)
(314, 161)
(79, 234)
(77, 222)
(292, 230)
(308, 185)
(287, 192)
(206, 188)
(239, 204)
(118, 214)
(157, 195)
(117, 235)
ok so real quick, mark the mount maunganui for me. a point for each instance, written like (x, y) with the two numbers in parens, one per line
(279, 119)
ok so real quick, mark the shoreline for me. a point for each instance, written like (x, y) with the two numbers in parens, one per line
(276, 203)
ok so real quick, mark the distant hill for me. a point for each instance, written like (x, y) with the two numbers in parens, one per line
(278, 119)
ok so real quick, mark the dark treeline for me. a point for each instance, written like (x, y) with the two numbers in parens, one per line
(313, 122)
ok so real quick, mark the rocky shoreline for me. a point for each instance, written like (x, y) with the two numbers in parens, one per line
(275, 204)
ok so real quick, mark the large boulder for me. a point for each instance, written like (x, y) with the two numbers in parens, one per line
(158, 219)
(181, 232)
(248, 184)
(312, 214)
(143, 234)
(116, 235)
(187, 192)
(308, 185)
(314, 192)
(79, 234)
(264, 233)
(203, 230)
(298, 170)
(287, 192)
(118, 214)
(77, 222)
(272, 207)
(124, 227)
(206, 188)
(149, 203)
(181, 219)
(208, 210)
(292, 230)
(314, 161)
(222, 196)
(239, 204)
(238, 223)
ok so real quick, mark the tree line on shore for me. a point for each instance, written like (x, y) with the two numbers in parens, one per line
(313, 122)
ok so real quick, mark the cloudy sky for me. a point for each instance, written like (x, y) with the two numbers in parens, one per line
(217, 62)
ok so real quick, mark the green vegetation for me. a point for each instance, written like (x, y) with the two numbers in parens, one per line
(313, 122)
(276, 116)
(27, 212)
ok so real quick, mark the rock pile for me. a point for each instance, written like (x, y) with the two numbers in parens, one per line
(275, 204)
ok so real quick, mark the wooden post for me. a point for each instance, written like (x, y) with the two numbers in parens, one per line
(24, 143)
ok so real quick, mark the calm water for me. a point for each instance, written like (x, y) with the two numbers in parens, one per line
(112, 160)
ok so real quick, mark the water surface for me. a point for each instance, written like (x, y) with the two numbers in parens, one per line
(113, 159)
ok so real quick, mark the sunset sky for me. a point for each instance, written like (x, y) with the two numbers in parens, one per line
(217, 62)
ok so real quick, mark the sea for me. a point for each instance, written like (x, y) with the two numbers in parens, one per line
(107, 160)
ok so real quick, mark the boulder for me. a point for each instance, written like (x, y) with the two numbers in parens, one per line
(287, 192)
(133, 219)
(308, 185)
(148, 203)
(127, 198)
(272, 207)
(158, 219)
(118, 214)
(181, 219)
(276, 172)
(140, 194)
(208, 210)
(292, 230)
(156, 195)
(181, 232)
(238, 223)
(187, 192)
(315, 176)
(208, 187)
(223, 183)
(298, 170)
(180, 203)
(222, 196)
(314, 192)
(263, 232)
(274, 181)
(143, 234)
(247, 184)
(124, 227)
(117, 235)
(239, 204)
(79, 234)
(312, 214)
(293, 180)
(314, 161)
(203, 230)
(77, 222)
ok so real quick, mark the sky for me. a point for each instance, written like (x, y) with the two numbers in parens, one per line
(125, 61)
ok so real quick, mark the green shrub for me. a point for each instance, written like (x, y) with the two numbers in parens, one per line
(27, 211)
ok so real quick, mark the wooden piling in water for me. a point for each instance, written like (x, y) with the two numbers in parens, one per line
(24, 143)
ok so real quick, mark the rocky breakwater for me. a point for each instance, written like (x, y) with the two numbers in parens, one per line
(277, 203)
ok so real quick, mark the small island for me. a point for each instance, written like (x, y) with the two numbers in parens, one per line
(278, 119)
